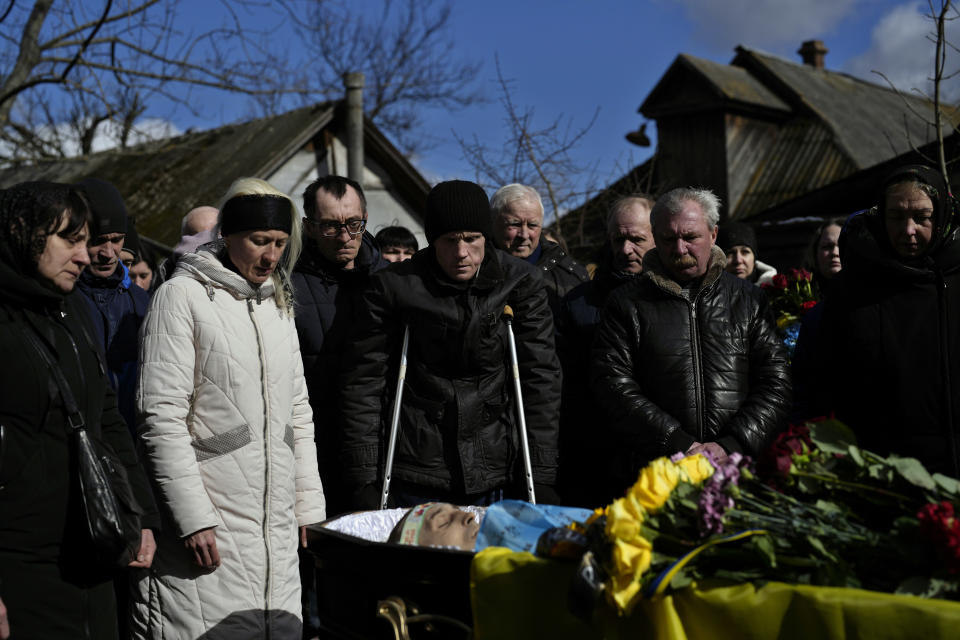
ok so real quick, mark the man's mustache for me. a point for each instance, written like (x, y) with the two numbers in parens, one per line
(684, 262)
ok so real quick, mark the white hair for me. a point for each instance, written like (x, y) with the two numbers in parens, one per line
(671, 203)
(281, 276)
(516, 192)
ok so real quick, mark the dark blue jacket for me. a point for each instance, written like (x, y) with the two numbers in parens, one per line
(117, 307)
(326, 297)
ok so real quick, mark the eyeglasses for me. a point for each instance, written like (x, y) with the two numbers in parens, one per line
(330, 229)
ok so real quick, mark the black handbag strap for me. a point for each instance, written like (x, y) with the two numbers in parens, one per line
(74, 417)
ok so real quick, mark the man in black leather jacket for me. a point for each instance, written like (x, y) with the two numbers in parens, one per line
(686, 358)
(458, 439)
(583, 481)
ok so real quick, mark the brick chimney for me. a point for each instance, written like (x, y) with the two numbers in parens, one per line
(813, 52)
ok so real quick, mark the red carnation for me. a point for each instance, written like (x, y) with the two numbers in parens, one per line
(777, 459)
(803, 274)
(939, 524)
(807, 305)
(780, 281)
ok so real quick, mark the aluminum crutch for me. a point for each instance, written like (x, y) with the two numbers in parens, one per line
(395, 419)
(524, 442)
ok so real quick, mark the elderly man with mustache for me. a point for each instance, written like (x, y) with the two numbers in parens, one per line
(686, 357)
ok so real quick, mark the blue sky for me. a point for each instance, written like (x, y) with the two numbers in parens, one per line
(568, 58)
(571, 57)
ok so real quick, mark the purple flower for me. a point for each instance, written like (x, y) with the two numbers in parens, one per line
(716, 496)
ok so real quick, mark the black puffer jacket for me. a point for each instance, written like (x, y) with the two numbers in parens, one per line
(561, 273)
(888, 356)
(48, 581)
(672, 372)
(327, 298)
(458, 422)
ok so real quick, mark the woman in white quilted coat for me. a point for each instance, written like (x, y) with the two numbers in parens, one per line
(227, 432)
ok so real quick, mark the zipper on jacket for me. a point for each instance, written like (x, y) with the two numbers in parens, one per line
(265, 528)
(697, 365)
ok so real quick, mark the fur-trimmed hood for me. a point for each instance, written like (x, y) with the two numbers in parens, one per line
(655, 271)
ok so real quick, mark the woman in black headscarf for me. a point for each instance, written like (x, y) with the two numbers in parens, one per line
(889, 348)
(50, 585)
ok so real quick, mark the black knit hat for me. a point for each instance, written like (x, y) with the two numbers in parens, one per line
(457, 205)
(131, 243)
(106, 205)
(736, 234)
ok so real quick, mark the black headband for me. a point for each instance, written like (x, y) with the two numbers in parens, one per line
(255, 213)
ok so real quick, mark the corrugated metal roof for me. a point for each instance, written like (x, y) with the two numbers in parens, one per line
(804, 157)
(161, 181)
(871, 123)
(736, 83)
(840, 128)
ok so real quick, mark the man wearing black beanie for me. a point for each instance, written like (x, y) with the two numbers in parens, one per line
(458, 439)
(116, 305)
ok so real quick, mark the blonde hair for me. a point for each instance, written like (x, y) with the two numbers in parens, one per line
(281, 276)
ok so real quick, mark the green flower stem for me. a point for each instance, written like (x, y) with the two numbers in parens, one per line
(806, 519)
(849, 485)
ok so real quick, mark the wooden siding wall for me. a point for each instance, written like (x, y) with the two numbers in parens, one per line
(691, 152)
(805, 157)
(748, 143)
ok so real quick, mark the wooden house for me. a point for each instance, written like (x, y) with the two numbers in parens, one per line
(763, 132)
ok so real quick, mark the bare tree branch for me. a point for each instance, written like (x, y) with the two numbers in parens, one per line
(539, 157)
(70, 64)
(940, 61)
(81, 60)
(906, 102)
(405, 52)
(7, 11)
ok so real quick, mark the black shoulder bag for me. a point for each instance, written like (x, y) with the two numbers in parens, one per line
(111, 512)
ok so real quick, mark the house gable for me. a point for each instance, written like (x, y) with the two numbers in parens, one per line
(761, 132)
(162, 180)
(869, 122)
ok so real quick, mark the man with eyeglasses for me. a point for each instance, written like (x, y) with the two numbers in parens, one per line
(458, 439)
(333, 271)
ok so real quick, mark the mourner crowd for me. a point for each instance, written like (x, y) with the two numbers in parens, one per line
(244, 387)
